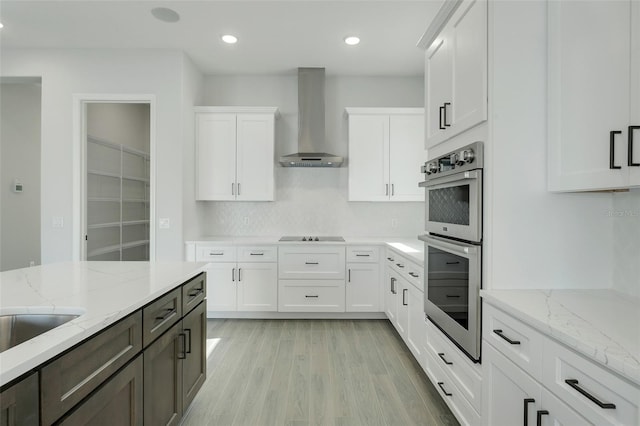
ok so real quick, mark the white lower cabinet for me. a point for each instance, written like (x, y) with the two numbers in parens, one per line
(362, 292)
(390, 287)
(257, 287)
(221, 287)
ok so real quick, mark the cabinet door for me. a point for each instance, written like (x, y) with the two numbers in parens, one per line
(438, 72)
(221, 287)
(417, 330)
(255, 157)
(510, 397)
(194, 367)
(468, 37)
(557, 413)
(391, 295)
(215, 156)
(116, 402)
(406, 155)
(363, 287)
(369, 158)
(257, 287)
(402, 316)
(634, 171)
(589, 75)
(19, 403)
(163, 378)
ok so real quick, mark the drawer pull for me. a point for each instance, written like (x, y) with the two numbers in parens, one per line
(453, 296)
(404, 293)
(539, 416)
(362, 255)
(527, 401)
(393, 285)
(311, 296)
(574, 384)
(443, 390)
(197, 292)
(414, 275)
(216, 253)
(400, 265)
(441, 355)
(167, 313)
(310, 263)
(257, 254)
(183, 336)
(390, 259)
(512, 342)
(457, 262)
(188, 330)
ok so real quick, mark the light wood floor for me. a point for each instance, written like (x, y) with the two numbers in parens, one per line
(313, 372)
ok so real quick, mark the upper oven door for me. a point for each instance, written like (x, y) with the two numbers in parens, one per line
(454, 206)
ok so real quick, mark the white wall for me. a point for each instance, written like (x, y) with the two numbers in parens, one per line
(121, 123)
(104, 71)
(20, 158)
(308, 200)
(625, 216)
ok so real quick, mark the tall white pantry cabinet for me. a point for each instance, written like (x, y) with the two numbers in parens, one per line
(235, 153)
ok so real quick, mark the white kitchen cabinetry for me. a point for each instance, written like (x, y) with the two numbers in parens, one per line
(243, 278)
(529, 375)
(455, 70)
(594, 95)
(385, 154)
(311, 278)
(363, 279)
(235, 153)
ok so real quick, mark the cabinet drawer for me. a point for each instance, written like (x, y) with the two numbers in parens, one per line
(414, 275)
(561, 364)
(516, 340)
(258, 254)
(464, 374)
(368, 254)
(71, 377)
(193, 292)
(447, 389)
(206, 253)
(311, 263)
(160, 315)
(311, 296)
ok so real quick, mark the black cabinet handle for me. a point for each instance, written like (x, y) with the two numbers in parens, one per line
(513, 342)
(453, 296)
(216, 254)
(400, 265)
(167, 313)
(527, 401)
(441, 355)
(443, 390)
(188, 330)
(390, 259)
(457, 262)
(362, 255)
(233, 274)
(184, 346)
(444, 121)
(239, 276)
(349, 279)
(197, 292)
(441, 110)
(414, 275)
(574, 384)
(257, 254)
(311, 296)
(630, 162)
(612, 143)
(310, 263)
(539, 416)
(404, 292)
(393, 285)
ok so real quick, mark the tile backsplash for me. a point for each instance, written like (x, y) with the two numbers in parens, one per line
(626, 242)
(312, 201)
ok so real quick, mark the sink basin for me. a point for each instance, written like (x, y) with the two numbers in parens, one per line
(18, 328)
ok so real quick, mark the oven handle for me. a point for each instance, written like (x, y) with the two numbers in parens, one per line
(456, 177)
(465, 250)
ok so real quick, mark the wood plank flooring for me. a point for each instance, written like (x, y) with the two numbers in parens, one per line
(313, 372)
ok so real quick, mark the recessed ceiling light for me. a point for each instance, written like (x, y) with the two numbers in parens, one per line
(1, 25)
(229, 39)
(165, 14)
(352, 40)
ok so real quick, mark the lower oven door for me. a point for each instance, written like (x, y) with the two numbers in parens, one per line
(453, 273)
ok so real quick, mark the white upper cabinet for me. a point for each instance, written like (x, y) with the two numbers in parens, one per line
(235, 153)
(594, 95)
(455, 70)
(385, 154)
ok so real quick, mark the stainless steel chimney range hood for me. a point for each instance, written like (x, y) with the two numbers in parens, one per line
(311, 141)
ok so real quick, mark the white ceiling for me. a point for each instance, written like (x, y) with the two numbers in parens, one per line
(275, 37)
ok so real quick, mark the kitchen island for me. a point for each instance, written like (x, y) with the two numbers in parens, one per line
(101, 293)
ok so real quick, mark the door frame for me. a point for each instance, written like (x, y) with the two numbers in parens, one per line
(80, 101)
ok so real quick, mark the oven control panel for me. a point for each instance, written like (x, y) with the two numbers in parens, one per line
(466, 158)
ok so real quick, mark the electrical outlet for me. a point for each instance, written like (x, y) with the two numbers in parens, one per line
(245, 220)
(164, 223)
(394, 223)
(57, 222)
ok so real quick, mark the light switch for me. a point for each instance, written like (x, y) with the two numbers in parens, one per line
(164, 223)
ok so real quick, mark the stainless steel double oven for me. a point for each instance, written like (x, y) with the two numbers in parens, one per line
(453, 245)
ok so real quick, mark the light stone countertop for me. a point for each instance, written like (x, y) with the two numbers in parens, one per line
(410, 247)
(102, 292)
(603, 325)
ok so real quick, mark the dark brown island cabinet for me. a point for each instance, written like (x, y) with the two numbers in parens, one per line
(143, 370)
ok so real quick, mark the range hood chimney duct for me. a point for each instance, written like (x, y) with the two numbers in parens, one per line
(311, 123)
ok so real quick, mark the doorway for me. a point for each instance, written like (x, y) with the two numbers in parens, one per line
(117, 196)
